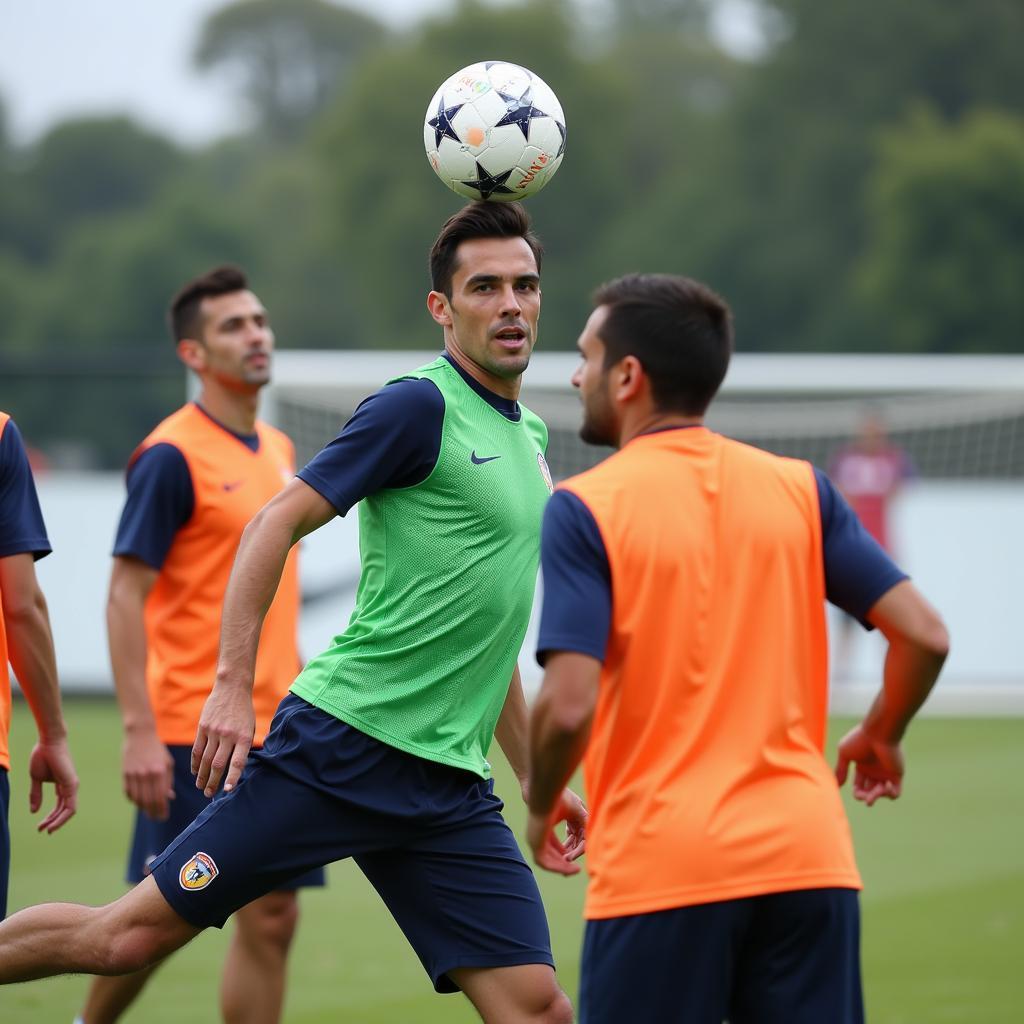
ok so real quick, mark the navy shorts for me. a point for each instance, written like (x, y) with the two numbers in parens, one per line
(429, 837)
(783, 958)
(150, 837)
(5, 840)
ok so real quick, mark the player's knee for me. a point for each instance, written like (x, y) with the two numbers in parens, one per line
(126, 951)
(269, 923)
(559, 1009)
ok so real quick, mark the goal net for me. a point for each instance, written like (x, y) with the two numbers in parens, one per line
(955, 528)
(957, 417)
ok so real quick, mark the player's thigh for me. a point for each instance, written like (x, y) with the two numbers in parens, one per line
(269, 831)
(5, 841)
(667, 967)
(800, 962)
(464, 897)
(269, 921)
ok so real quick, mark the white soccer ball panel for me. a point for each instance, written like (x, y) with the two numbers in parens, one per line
(466, 143)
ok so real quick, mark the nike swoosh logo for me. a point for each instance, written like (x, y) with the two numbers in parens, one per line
(477, 461)
(233, 486)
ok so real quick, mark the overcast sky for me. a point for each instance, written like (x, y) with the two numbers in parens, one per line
(60, 58)
(63, 58)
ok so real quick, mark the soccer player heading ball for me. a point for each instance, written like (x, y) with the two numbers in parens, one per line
(380, 750)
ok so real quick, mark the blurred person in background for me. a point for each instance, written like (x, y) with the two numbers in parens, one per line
(869, 472)
(685, 649)
(192, 486)
(26, 643)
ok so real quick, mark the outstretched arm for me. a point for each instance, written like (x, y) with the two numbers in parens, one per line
(227, 723)
(918, 645)
(30, 648)
(559, 732)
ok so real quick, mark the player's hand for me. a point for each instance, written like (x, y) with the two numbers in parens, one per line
(51, 762)
(226, 729)
(148, 771)
(550, 852)
(879, 766)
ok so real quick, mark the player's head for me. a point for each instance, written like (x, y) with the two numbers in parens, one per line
(485, 275)
(653, 340)
(222, 330)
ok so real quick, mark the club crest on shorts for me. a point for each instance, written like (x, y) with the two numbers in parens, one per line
(545, 472)
(198, 872)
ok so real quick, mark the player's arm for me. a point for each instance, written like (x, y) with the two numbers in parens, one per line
(513, 735)
(918, 643)
(574, 627)
(227, 723)
(146, 764)
(559, 733)
(392, 440)
(863, 580)
(30, 650)
(159, 501)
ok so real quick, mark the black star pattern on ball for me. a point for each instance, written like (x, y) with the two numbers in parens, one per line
(442, 124)
(488, 184)
(519, 110)
(561, 131)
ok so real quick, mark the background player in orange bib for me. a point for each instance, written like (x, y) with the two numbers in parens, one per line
(685, 650)
(25, 641)
(193, 485)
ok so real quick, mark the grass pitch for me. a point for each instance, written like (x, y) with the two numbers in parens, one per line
(943, 907)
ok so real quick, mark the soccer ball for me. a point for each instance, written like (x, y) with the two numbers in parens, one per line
(494, 131)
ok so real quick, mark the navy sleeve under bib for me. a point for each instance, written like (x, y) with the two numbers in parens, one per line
(160, 501)
(22, 530)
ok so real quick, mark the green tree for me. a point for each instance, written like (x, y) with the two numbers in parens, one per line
(82, 169)
(943, 266)
(789, 180)
(289, 56)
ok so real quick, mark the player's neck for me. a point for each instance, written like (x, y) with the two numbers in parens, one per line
(505, 387)
(637, 422)
(234, 409)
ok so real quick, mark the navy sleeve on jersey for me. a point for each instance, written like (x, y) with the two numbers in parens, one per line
(392, 440)
(22, 530)
(857, 570)
(577, 611)
(160, 501)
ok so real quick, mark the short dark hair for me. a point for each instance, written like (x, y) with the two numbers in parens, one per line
(478, 220)
(183, 315)
(679, 330)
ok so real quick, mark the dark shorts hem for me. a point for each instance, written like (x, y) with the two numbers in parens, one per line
(444, 985)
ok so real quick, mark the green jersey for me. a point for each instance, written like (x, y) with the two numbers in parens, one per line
(448, 572)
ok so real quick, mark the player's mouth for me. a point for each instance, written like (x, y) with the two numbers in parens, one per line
(511, 337)
(258, 359)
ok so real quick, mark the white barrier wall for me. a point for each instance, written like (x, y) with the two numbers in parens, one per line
(961, 541)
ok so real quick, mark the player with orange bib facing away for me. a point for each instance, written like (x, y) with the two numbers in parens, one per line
(380, 752)
(684, 642)
(27, 644)
(193, 485)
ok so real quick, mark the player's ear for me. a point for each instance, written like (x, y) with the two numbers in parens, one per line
(192, 353)
(630, 378)
(440, 310)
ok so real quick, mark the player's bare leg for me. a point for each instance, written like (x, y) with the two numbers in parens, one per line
(109, 997)
(253, 984)
(515, 995)
(132, 933)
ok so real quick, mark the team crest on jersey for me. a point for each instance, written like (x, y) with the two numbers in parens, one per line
(198, 872)
(545, 472)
